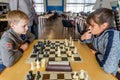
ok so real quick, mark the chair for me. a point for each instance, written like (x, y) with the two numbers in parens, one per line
(3, 27)
(68, 25)
(81, 27)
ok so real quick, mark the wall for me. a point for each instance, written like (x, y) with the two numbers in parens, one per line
(6, 1)
(55, 5)
(103, 3)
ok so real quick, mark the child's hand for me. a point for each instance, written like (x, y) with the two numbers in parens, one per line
(93, 51)
(24, 46)
(86, 35)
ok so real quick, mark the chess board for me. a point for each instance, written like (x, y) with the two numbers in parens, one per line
(57, 76)
(51, 48)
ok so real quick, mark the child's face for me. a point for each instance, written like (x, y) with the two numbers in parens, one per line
(21, 27)
(96, 29)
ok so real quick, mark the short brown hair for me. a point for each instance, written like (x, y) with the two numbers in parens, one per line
(15, 16)
(101, 16)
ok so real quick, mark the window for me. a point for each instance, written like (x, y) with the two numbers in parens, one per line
(39, 6)
(79, 5)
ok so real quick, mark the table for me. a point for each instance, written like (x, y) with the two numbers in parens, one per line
(3, 17)
(89, 63)
(43, 17)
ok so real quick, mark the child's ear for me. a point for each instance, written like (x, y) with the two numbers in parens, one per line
(105, 25)
(12, 25)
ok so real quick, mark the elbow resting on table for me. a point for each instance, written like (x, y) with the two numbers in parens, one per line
(8, 64)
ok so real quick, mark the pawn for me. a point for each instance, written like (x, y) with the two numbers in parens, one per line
(86, 77)
(32, 66)
(35, 49)
(37, 57)
(81, 75)
(75, 50)
(69, 53)
(37, 64)
(38, 75)
(72, 43)
(30, 76)
(74, 75)
(46, 54)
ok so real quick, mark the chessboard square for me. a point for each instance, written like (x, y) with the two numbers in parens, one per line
(56, 55)
(52, 55)
(33, 55)
(41, 55)
(58, 59)
(46, 76)
(53, 76)
(63, 52)
(52, 52)
(61, 43)
(76, 55)
(30, 60)
(38, 48)
(64, 59)
(47, 49)
(45, 55)
(72, 47)
(67, 76)
(77, 59)
(47, 46)
(52, 59)
(60, 76)
(64, 55)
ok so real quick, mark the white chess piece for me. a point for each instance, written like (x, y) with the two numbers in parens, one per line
(37, 64)
(76, 78)
(58, 52)
(72, 44)
(72, 58)
(32, 66)
(81, 75)
(75, 50)
(68, 48)
(66, 42)
(70, 40)
(43, 63)
(74, 75)
(69, 53)
(86, 77)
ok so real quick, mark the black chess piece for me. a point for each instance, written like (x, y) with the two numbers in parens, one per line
(35, 49)
(46, 54)
(28, 77)
(38, 75)
(39, 43)
(41, 51)
(31, 76)
(37, 58)
(48, 42)
(45, 41)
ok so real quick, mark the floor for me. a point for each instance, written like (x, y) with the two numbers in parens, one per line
(55, 30)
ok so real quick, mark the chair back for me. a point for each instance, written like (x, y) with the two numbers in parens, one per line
(67, 23)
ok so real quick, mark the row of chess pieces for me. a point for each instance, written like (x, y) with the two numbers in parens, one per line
(38, 64)
(81, 75)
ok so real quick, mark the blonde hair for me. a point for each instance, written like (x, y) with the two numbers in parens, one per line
(15, 16)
